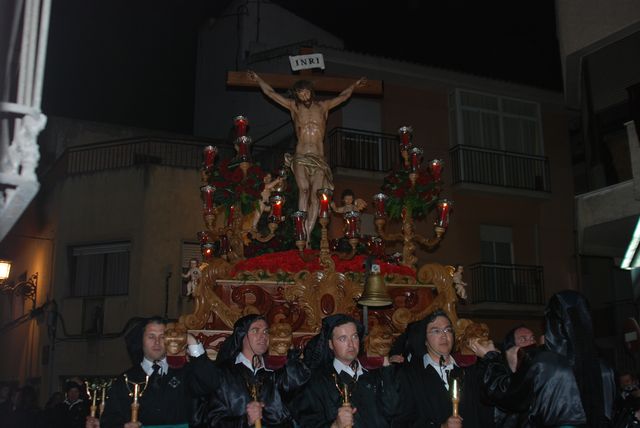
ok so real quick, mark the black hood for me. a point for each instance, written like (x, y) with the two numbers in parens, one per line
(233, 344)
(317, 352)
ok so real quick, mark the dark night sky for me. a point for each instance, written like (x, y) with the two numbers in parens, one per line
(132, 62)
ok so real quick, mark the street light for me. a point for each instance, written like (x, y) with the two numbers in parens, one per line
(5, 269)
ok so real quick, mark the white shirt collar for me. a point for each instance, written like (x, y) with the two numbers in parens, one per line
(341, 367)
(147, 366)
(442, 371)
(240, 358)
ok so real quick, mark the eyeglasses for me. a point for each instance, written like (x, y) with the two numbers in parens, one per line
(440, 331)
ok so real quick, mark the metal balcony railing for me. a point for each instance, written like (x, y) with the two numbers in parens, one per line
(499, 168)
(357, 149)
(507, 284)
(128, 153)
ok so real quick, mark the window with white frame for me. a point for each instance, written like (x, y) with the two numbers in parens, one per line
(100, 269)
(496, 122)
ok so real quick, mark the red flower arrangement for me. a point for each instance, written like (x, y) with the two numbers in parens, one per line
(232, 186)
(417, 200)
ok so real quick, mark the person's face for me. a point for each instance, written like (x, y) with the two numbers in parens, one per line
(348, 200)
(439, 338)
(304, 95)
(257, 339)
(153, 342)
(193, 264)
(73, 394)
(345, 343)
(524, 337)
(626, 380)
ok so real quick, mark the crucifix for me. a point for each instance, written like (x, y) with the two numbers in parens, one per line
(309, 116)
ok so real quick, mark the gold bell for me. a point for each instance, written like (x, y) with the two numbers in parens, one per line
(375, 292)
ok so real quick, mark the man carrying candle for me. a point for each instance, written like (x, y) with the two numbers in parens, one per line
(309, 118)
(339, 378)
(165, 400)
(426, 383)
(248, 393)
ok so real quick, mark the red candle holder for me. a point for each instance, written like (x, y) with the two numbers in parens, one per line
(207, 197)
(299, 218)
(277, 202)
(379, 200)
(209, 154)
(406, 134)
(444, 207)
(324, 195)
(241, 123)
(206, 250)
(243, 147)
(232, 210)
(376, 247)
(224, 244)
(203, 237)
(435, 168)
(416, 158)
(352, 223)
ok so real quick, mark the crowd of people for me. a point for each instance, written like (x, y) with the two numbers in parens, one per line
(559, 381)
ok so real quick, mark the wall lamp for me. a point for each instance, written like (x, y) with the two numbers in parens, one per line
(27, 289)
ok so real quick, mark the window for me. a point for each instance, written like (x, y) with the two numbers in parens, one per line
(498, 123)
(100, 270)
(496, 255)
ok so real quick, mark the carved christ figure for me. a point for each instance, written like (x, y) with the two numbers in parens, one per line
(309, 117)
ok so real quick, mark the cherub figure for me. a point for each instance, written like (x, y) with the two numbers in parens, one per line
(349, 203)
(263, 204)
(193, 275)
(459, 283)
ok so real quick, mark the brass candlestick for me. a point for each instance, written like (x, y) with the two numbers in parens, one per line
(92, 392)
(254, 391)
(344, 393)
(138, 390)
(455, 396)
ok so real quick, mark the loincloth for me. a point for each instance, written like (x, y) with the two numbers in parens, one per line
(312, 164)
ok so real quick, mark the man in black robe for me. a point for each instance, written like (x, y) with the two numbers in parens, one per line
(338, 375)
(165, 400)
(563, 383)
(425, 392)
(246, 390)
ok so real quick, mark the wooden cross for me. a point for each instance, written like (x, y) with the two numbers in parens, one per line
(321, 83)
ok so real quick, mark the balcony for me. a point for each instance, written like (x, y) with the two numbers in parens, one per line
(355, 149)
(514, 284)
(486, 167)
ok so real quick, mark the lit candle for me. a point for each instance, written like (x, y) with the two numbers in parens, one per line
(454, 387)
(416, 158)
(210, 153)
(277, 202)
(207, 197)
(352, 220)
(298, 221)
(206, 250)
(405, 132)
(241, 123)
(324, 195)
(435, 168)
(444, 208)
(136, 391)
(104, 394)
(379, 200)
